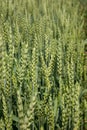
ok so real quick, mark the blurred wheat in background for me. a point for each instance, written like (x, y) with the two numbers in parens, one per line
(43, 65)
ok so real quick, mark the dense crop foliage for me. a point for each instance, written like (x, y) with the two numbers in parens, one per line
(43, 72)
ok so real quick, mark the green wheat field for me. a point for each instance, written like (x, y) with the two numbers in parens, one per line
(43, 64)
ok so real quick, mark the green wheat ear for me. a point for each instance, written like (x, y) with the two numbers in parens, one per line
(1, 43)
(20, 110)
(34, 69)
(7, 118)
(16, 38)
(50, 114)
(2, 125)
(77, 106)
(29, 117)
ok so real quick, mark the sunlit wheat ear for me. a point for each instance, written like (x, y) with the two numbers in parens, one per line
(5, 110)
(16, 38)
(59, 55)
(20, 110)
(64, 117)
(46, 73)
(50, 115)
(1, 43)
(29, 118)
(2, 125)
(34, 69)
(76, 106)
(7, 117)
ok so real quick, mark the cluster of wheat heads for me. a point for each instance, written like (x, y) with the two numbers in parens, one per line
(41, 65)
